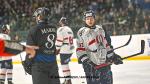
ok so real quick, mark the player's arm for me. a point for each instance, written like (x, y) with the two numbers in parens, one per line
(81, 50)
(31, 50)
(112, 56)
(107, 36)
(59, 41)
(31, 44)
(11, 48)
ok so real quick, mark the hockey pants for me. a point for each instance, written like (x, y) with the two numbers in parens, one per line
(100, 76)
(45, 73)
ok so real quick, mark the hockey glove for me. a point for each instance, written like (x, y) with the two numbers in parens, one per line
(113, 58)
(27, 64)
(117, 59)
(89, 65)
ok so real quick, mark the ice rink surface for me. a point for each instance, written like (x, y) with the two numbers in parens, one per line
(131, 72)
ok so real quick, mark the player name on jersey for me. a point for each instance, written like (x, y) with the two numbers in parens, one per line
(47, 30)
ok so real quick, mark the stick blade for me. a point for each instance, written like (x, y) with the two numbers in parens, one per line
(141, 52)
(142, 46)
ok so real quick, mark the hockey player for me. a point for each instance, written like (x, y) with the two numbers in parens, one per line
(42, 38)
(7, 66)
(92, 51)
(64, 44)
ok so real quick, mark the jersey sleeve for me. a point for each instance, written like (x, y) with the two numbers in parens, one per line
(10, 48)
(103, 37)
(81, 50)
(106, 40)
(107, 36)
(59, 39)
(31, 37)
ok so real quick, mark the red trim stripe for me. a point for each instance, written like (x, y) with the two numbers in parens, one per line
(9, 73)
(83, 49)
(2, 74)
(59, 40)
(92, 41)
(66, 70)
(101, 65)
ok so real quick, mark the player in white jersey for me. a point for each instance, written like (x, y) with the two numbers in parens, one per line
(7, 66)
(64, 44)
(92, 51)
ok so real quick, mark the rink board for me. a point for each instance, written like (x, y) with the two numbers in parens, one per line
(133, 47)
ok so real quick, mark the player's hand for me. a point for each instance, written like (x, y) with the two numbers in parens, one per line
(31, 51)
(110, 57)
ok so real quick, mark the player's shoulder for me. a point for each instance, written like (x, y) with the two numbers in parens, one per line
(67, 28)
(99, 26)
(64, 29)
(4, 36)
(33, 29)
(1, 34)
(82, 30)
(60, 29)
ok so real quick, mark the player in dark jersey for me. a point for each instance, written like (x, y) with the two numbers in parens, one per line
(42, 38)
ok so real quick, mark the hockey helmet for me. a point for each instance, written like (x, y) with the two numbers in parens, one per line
(43, 11)
(63, 20)
(89, 13)
(5, 28)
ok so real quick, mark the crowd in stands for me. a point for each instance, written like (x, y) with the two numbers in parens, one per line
(119, 17)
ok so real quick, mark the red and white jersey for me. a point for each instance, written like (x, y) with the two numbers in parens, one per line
(64, 40)
(92, 44)
(5, 37)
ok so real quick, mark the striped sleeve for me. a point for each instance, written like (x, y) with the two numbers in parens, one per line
(59, 39)
(105, 43)
(102, 37)
(81, 50)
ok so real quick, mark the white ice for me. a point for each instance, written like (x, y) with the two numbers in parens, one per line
(131, 72)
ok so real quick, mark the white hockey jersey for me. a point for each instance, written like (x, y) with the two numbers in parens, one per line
(92, 44)
(64, 40)
(5, 37)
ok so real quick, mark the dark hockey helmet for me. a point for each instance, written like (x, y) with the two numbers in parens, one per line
(43, 11)
(5, 28)
(63, 20)
(89, 13)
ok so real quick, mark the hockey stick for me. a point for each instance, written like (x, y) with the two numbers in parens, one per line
(141, 52)
(22, 63)
(124, 44)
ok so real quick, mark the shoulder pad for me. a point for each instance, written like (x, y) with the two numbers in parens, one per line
(99, 27)
(60, 29)
(81, 31)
